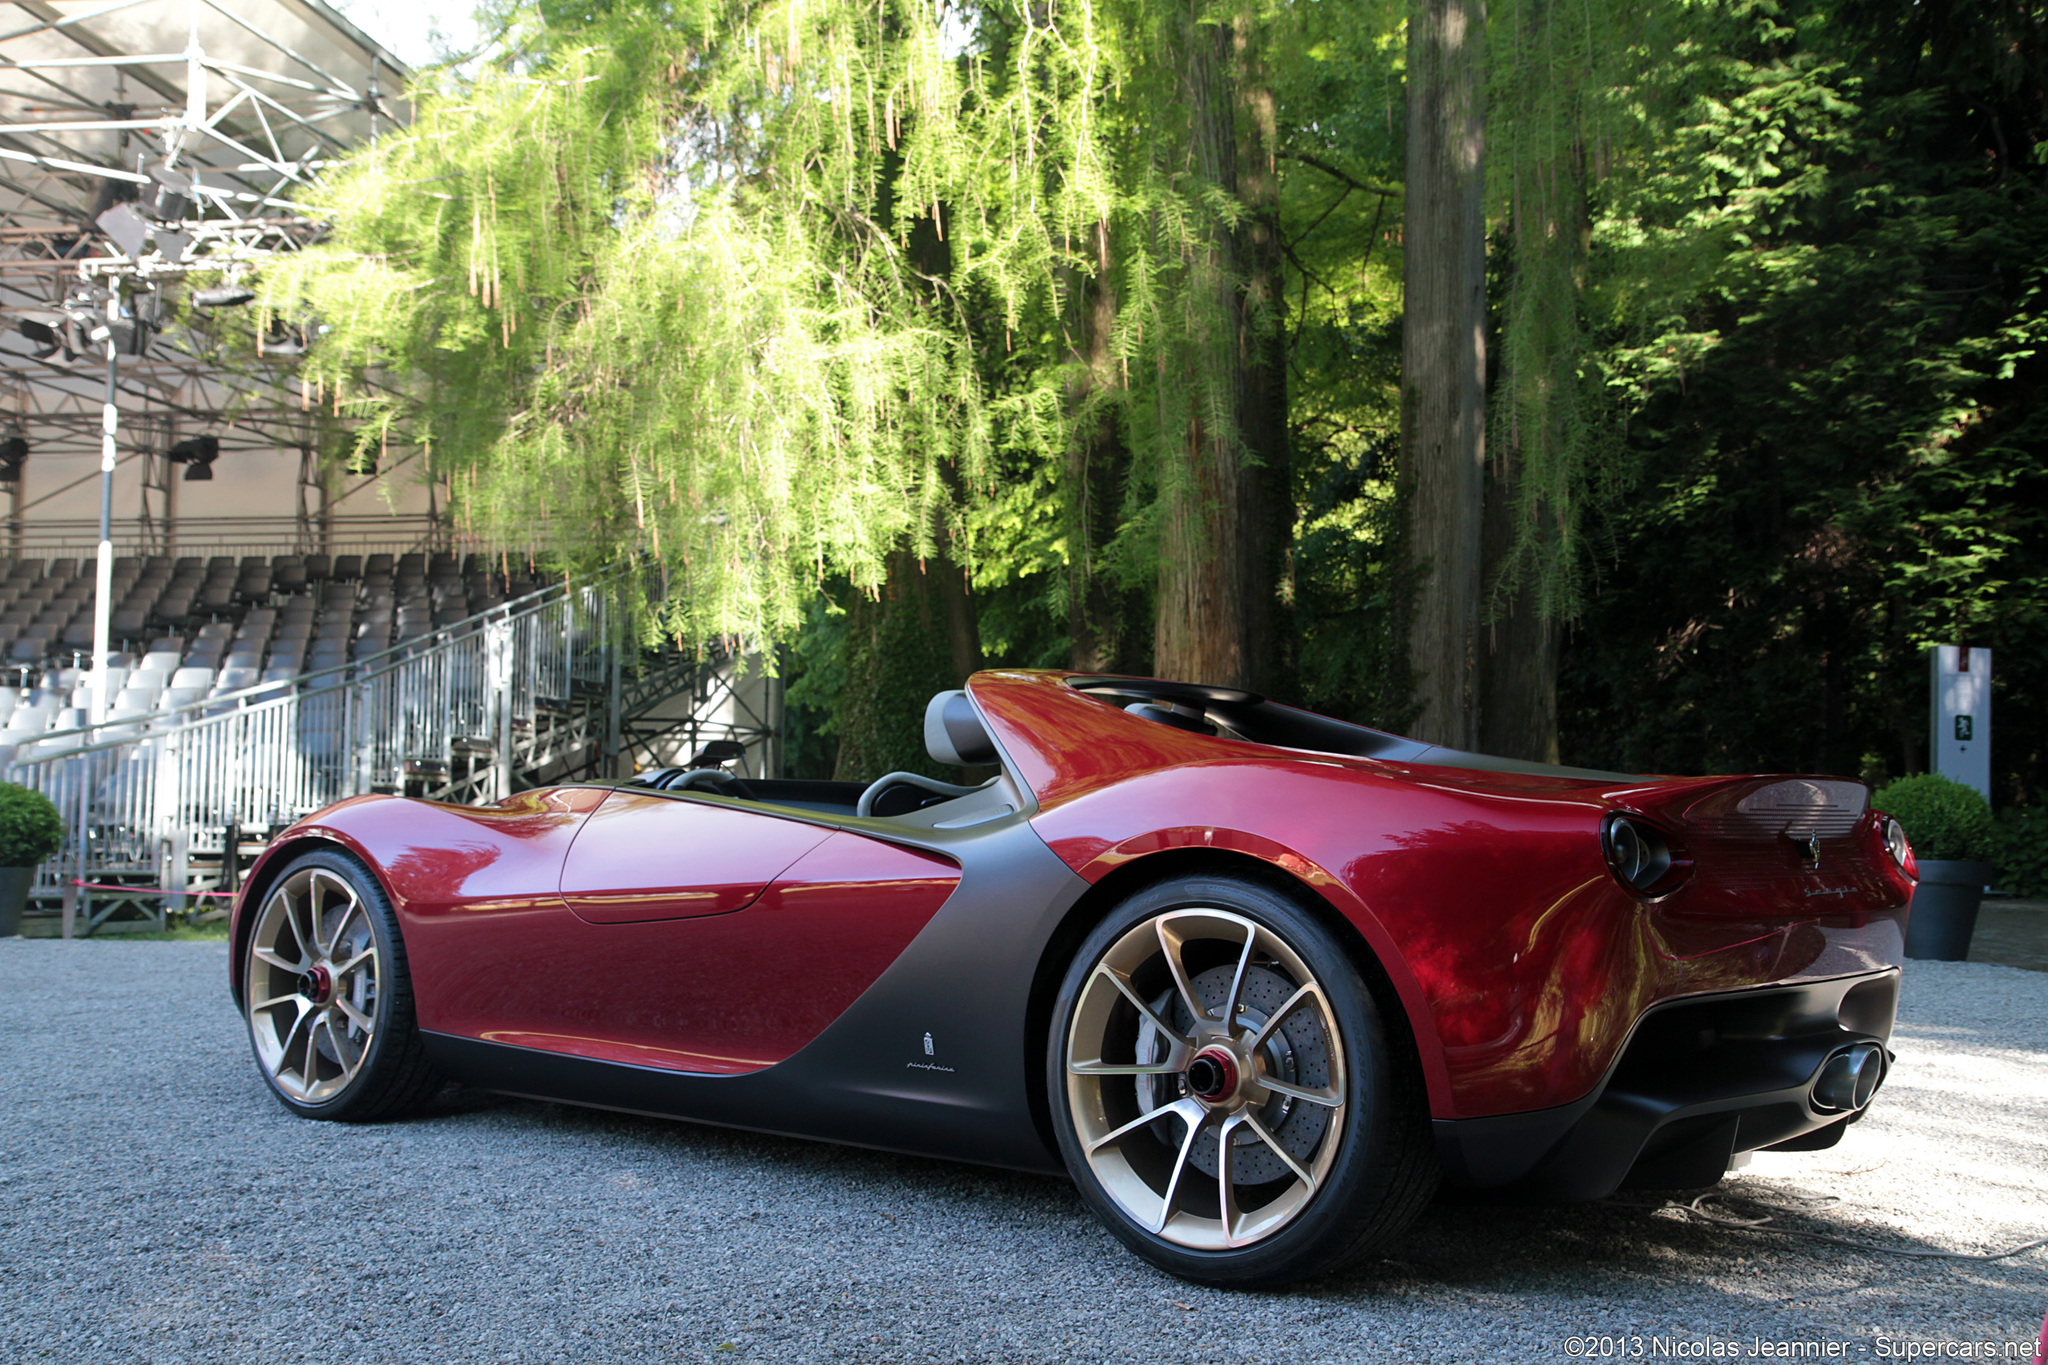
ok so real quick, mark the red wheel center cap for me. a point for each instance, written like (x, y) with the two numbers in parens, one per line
(317, 985)
(1212, 1074)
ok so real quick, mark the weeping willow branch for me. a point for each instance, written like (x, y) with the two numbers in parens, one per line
(646, 289)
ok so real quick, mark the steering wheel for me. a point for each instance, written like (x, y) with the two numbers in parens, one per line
(717, 781)
(881, 785)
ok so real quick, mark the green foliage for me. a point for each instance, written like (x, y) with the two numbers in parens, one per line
(1835, 423)
(770, 292)
(697, 284)
(1945, 820)
(1635, 149)
(1342, 127)
(1556, 120)
(30, 828)
(897, 655)
(814, 681)
(2020, 850)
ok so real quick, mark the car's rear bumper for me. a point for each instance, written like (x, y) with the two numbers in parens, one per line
(1699, 1080)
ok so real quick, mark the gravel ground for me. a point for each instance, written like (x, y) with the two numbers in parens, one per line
(156, 1205)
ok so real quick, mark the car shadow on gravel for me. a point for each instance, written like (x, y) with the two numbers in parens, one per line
(1475, 1244)
(1463, 1242)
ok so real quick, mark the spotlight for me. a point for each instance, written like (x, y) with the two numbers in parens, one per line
(131, 337)
(50, 331)
(223, 296)
(197, 454)
(281, 338)
(171, 200)
(13, 454)
(135, 235)
(66, 330)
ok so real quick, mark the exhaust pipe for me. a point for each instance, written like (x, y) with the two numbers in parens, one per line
(1849, 1078)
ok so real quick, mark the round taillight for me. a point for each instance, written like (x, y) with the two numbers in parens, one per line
(1641, 856)
(1895, 841)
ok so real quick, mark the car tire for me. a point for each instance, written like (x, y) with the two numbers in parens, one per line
(327, 997)
(1171, 1124)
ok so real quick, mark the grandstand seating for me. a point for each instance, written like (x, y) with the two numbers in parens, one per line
(184, 630)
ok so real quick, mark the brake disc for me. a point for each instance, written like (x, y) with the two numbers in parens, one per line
(1298, 1051)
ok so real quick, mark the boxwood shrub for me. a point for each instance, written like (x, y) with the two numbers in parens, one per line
(30, 828)
(1947, 821)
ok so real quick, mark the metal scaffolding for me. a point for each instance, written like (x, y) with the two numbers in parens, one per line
(235, 105)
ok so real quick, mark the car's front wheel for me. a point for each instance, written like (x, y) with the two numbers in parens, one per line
(1224, 1091)
(327, 998)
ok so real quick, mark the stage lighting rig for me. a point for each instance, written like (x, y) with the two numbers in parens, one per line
(155, 221)
(80, 328)
(137, 236)
(51, 331)
(223, 296)
(132, 329)
(281, 338)
(13, 453)
(197, 454)
(171, 200)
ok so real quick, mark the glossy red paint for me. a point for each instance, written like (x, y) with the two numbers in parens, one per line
(496, 953)
(1520, 960)
(642, 856)
(431, 857)
(722, 994)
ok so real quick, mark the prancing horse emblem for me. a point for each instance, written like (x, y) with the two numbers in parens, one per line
(1807, 844)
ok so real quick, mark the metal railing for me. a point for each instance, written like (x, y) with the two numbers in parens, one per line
(45, 538)
(142, 797)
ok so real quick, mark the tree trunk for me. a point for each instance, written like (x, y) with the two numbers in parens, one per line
(1223, 503)
(1098, 465)
(1443, 361)
(1535, 413)
(1519, 646)
(1262, 373)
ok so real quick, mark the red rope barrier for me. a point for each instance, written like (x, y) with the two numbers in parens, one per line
(151, 890)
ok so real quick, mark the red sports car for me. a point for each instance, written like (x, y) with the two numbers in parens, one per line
(1255, 978)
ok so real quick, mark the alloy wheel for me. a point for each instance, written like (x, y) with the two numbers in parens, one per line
(315, 972)
(1205, 1078)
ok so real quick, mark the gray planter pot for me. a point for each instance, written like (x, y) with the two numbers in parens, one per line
(1945, 909)
(14, 885)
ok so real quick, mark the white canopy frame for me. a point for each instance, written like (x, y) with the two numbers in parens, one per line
(247, 100)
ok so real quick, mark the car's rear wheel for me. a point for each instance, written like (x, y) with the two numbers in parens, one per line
(327, 998)
(1224, 1091)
